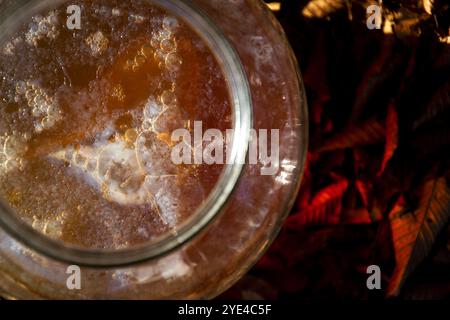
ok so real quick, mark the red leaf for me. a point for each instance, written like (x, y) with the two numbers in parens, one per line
(363, 190)
(391, 137)
(325, 208)
(398, 209)
(370, 132)
(357, 216)
(414, 233)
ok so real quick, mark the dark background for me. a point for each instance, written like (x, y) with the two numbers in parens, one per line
(376, 187)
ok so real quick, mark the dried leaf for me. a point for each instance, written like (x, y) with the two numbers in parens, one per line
(414, 233)
(274, 6)
(428, 6)
(407, 22)
(322, 8)
(325, 208)
(391, 137)
(370, 132)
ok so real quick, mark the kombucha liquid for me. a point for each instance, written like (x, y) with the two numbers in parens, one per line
(86, 118)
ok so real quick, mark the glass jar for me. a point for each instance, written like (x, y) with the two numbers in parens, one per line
(243, 211)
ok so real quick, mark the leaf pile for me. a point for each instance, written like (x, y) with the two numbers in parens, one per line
(376, 188)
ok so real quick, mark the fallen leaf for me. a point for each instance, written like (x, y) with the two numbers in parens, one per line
(391, 136)
(325, 208)
(322, 8)
(414, 233)
(370, 132)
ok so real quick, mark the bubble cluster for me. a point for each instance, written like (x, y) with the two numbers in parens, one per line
(118, 93)
(165, 44)
(122, 167)
(98, 43)
(11, 151)
(136, 18)
(44, 108)
(161, 114)
(137, 62)
(43, 27)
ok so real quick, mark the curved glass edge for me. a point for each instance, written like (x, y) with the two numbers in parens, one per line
(303, 133)
(242, 110)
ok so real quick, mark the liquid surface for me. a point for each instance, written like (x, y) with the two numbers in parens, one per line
(86, 118)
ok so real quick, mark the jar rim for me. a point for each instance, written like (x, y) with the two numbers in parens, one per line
(242, 111)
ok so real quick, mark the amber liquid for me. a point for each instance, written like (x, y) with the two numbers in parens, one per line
(86, 119)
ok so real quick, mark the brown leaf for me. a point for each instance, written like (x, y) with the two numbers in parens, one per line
(428, 6)
(370, 132)
(414, 233)
(325, 208)
(322, 8)
(391, 137)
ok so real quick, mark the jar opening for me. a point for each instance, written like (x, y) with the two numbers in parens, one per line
(240, 100)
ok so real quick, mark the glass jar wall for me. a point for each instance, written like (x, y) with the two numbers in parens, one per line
(227, 65)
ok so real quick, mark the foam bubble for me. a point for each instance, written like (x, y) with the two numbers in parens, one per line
(173, 61)
(12, 149)
(44, 108)
(98, 43)
(170, 24)
(42, 27)
(168, 45)
(169, 98)
(136, 18)
(147, 50)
